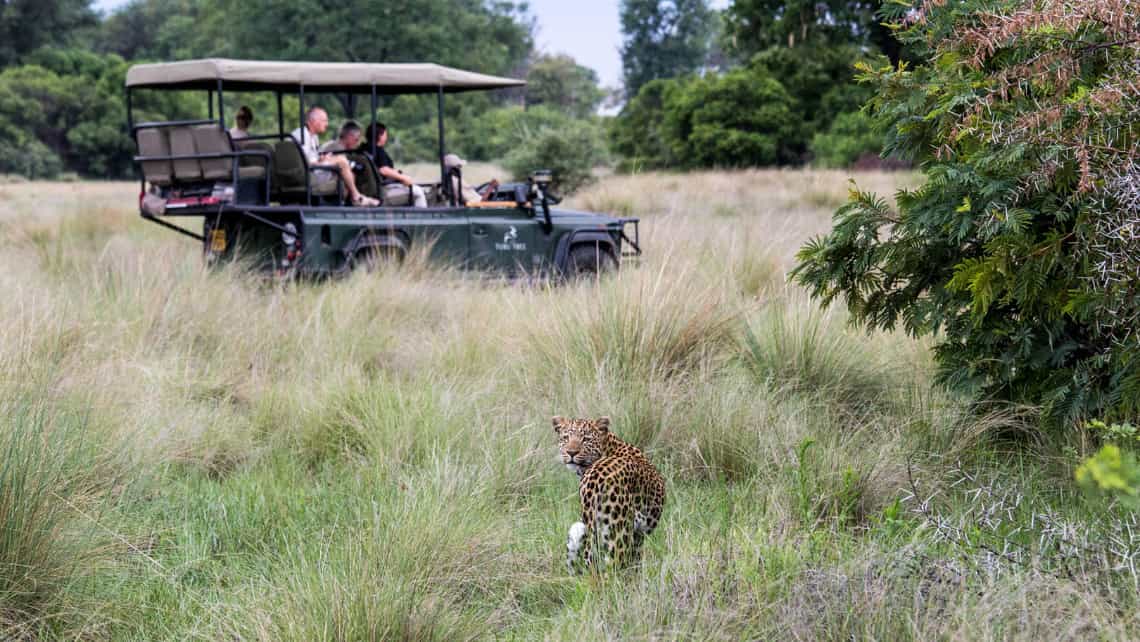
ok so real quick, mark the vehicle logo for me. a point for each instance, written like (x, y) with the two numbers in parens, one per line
(511, 242)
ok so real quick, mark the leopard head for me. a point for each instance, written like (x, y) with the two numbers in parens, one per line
(581, 442)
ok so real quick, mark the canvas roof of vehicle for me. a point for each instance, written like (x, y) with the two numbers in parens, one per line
(354, 77)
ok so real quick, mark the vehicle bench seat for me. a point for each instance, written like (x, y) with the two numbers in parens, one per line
(210, 139)
(289, 169)
(154, 142)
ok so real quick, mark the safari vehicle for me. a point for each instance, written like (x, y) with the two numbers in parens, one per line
(260, 204)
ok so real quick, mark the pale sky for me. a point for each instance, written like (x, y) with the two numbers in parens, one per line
(588, 30)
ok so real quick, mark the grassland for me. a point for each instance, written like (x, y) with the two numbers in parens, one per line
(188, 454)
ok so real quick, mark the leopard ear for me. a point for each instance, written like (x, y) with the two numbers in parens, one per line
(604, 423)
(558, 423)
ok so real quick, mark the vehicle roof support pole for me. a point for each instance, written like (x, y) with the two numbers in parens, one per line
(221, 106)
(210, 104)
(301, 111)
(372, 143)
(130, 114)
(443, 170)
(280, 116)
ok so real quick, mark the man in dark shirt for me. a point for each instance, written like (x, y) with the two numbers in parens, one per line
(399, 189)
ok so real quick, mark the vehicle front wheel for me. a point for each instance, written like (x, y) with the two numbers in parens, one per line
(589, 261)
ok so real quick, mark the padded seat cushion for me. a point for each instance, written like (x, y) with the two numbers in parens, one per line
(153, 142)
(210, 139)
(182, 144)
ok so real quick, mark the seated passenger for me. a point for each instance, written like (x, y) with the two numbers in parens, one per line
(308, 137)
(467, 194)
(243, 119)
(395, 191)
(348, 138)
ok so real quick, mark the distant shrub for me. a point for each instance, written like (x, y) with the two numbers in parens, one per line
(638, 134)
(31, 160)
(744, 118)
(571, 150)
(849, 138)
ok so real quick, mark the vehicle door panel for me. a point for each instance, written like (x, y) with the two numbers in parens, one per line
(503, 240)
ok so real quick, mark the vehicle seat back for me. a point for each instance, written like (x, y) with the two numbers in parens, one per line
(153, 142)
(186, 170)
(288, 166)
(253, 145)
(367, 179)
(210, 139)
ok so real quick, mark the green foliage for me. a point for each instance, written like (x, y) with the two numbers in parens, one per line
(822, 80)
(742, 118)
(850, 136)
(28, 25)
(1011, 253)
(1113, 472)
(557, 81)
(752, 26)
(738, 119)
(31, 159)
(66, 106)
(663, 40)
(495, 34)
(571, 150)
(639, 134)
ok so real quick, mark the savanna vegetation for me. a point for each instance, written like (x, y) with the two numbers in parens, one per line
(192, 454)
(948, 451)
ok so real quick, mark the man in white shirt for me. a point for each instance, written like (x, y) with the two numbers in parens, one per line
(308, 137)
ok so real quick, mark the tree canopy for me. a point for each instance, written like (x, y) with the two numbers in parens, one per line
(663, 39)
(27, 25)
(560, 82)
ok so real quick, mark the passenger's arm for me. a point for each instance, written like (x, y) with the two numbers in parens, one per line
(393, 174)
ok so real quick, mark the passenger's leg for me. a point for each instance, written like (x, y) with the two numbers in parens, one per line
(345, 169)
(418, 194)
(396, 194)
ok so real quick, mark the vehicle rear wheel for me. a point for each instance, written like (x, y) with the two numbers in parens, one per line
(589, 261)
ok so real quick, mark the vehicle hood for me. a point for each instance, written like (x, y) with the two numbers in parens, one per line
(577, 217)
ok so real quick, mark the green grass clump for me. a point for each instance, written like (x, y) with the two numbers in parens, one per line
(48, 490)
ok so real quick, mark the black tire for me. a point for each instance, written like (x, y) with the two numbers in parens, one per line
(590, 261)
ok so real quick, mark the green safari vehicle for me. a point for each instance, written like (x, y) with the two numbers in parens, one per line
(260, 204)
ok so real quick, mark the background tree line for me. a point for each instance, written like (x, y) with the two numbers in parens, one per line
(764, 82)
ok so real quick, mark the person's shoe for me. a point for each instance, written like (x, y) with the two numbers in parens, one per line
(365, 201)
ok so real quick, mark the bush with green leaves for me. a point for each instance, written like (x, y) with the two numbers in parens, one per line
(638, 134)
(31, 159)
(571, 149)
(850, 137)
(66, 106)
(1114, 470)
(743, 118)
(1019, 254)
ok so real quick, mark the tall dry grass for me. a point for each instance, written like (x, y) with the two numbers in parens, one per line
(371, 458)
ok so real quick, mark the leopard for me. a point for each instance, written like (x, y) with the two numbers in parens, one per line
(622, 494)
